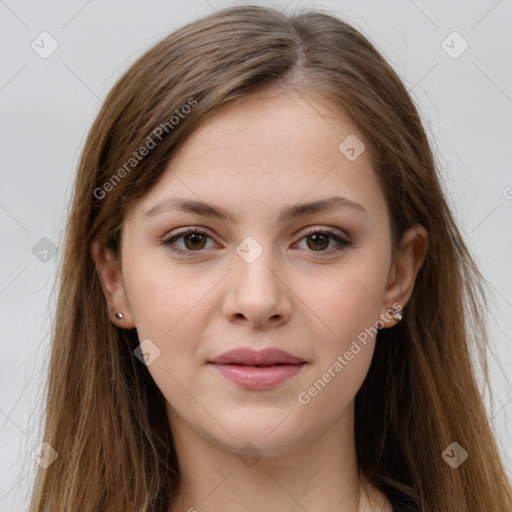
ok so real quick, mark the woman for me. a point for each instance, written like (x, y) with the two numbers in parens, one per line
(265, 302)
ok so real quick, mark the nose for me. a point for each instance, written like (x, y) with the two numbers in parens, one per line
(257, 293)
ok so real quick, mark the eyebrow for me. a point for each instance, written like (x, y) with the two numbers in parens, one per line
(286, 213)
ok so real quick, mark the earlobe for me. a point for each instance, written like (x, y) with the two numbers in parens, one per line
(409, 258)
(110, 278)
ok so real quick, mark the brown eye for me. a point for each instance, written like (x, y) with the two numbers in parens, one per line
(319, 241)
(193, 240)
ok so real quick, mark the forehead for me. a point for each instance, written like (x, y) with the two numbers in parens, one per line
(268, 151)
(278, 124)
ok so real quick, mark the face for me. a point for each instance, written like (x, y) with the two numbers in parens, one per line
(313, 284)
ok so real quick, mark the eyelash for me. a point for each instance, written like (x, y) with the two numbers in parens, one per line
(182, 233)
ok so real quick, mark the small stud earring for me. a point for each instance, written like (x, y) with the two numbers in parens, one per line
(119, 316)
(397, 315)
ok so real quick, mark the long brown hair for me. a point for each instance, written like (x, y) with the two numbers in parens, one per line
(104, 414)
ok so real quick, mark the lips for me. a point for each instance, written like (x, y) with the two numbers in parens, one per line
(257, 370)
(250, 357)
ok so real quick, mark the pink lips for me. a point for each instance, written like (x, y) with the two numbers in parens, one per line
(262, 369)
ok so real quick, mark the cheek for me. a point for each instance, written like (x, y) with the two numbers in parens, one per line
(347, 310)
(342, 363)
(163, 299)
(169, 310)
(347, 302)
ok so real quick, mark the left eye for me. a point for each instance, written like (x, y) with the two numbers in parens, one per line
(319, 237)
(319, 240)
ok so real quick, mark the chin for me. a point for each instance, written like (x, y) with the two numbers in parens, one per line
(257, 445)
(260, 436)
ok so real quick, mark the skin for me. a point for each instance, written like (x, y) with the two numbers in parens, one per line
(253, 159)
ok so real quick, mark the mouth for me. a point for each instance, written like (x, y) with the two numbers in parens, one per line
(249, 357)
(259, 365)
(254, 370)
(258, 377)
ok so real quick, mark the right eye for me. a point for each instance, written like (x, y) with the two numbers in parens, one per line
(193, 239)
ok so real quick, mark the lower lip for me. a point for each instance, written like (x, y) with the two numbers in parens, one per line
(262, 377)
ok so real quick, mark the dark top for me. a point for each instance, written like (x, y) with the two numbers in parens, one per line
(401, 502)
(405, 508)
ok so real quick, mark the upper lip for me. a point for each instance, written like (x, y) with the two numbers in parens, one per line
(249, 356)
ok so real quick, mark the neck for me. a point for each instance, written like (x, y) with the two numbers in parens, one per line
(320, 474)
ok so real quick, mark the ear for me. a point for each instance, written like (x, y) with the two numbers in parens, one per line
(408, 260)
(112, 285)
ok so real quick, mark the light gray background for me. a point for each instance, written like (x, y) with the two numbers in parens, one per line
(48, 105)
